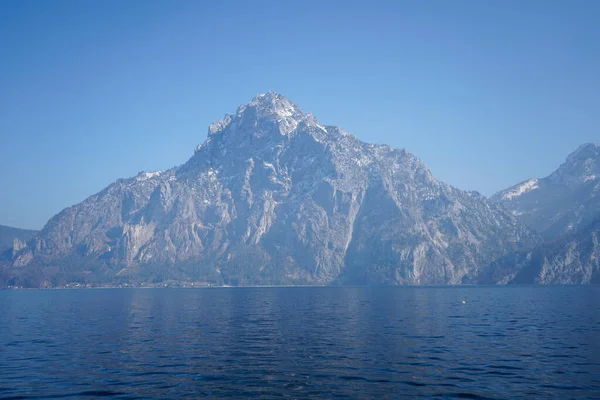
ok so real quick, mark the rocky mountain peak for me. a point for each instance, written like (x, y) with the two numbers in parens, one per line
(272, 105)
(274, 197)
(583, 152)
(581, 166)
(268, 121)
(266, 112)
(562, 202)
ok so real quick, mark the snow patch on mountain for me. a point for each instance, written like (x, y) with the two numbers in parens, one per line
(564, 201)
(144, 176)
(520, 189)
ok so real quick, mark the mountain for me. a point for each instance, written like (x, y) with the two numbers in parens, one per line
(8, 235)
(571, 259)
(564, 208)
(274, 197)
(564, 201)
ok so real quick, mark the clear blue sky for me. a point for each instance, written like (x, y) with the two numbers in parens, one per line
(487, 93)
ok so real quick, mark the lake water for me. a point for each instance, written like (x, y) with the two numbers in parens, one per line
(502, 342)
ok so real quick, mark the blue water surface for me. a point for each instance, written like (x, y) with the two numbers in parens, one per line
(408, 342)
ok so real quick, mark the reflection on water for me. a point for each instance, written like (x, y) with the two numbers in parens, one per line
(302, 342)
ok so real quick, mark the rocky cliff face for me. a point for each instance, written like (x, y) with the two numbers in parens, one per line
(274, 197)
(572, 259)
(565, 209)
(13, 237)
(563, 202)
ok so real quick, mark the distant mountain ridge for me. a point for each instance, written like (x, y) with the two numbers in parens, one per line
(564, 201)
(9, 234)
(274, 197)
(570, 259)
(565, 209)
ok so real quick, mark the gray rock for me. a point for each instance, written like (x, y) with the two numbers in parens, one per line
(8, 235)
(565, 209)
(274, 197)
(564, 201)
(572, 259)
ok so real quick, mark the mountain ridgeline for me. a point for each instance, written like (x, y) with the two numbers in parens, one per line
(564, 208)
(14, 238)
(273, 197)
(564, 201)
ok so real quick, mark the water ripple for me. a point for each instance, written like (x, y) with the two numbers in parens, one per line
(504, 342)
